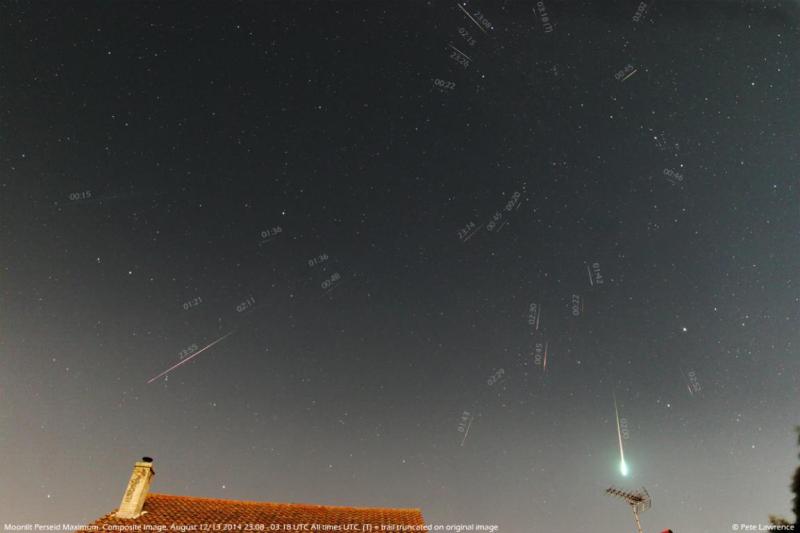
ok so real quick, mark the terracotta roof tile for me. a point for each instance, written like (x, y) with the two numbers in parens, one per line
(166, 510)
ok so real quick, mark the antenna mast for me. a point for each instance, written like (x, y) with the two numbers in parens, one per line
(639, 501)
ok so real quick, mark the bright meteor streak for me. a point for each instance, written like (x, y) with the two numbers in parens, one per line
(623, 467)
(173, 367)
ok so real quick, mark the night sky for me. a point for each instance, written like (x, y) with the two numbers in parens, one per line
(431, 245)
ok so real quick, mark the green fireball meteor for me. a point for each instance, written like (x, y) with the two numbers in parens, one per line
(623, 467)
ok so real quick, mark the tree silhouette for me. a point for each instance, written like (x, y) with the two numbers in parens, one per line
(778, 521)
(796, 488)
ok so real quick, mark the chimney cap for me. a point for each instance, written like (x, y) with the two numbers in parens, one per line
(147, 459)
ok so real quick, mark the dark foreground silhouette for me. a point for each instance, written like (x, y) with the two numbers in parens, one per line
(780, 521)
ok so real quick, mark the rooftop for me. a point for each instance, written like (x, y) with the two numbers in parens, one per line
(166, 510)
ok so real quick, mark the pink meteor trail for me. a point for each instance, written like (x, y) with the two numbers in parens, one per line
(173, 367)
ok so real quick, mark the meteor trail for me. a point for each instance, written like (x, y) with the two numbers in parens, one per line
(631, 74)
(623, 468)
(467, 431)
(688, 386)
(544, 363)
(459, 51)
(173, 367)
(470, 17)
(473, 233)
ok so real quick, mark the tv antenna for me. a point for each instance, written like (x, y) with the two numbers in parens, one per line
(639, 501)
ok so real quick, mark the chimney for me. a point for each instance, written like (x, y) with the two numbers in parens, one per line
(138, 486)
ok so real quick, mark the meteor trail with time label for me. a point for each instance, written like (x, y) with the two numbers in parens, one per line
(173, 367)
(623, 467)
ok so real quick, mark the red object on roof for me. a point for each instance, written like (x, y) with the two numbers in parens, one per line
(166, 510)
